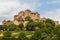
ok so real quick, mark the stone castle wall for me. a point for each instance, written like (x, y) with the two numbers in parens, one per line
(22, 15)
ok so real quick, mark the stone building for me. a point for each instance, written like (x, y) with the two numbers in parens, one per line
(20, 18)
(23, 14)
(8, 22)
(35, 16)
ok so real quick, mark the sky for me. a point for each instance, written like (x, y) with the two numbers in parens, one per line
(46, 8)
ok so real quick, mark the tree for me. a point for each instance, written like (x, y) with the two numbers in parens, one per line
(37, 35)
(21, 26)
(1, 27)
(50, 22)
(31, 26)
(54, 33)
(58, 33)
(5, 27)
(7, 35)
(28, 19)
(12, 27)
(41, 24)
(22, 36)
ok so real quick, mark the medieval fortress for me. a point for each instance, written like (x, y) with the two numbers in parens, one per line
(20, 18)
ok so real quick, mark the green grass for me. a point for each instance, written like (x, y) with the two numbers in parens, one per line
(29, 32)
(16, 33)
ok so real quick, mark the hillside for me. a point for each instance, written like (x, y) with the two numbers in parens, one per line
(28, 25)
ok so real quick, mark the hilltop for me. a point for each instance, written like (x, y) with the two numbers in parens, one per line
(22, 17)
(28, 25)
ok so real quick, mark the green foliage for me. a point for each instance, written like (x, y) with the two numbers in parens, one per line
(12, 27)
(4, 27)
(28, 19)
(31, 26)
(13, 38)
(7, 34)
(50, 22)
(22, 36)
(47, 25)
(36, 36)
(21, 26)
(39, 35)
(47, 31)
(1, 27)
(41, 24)
(1, 38)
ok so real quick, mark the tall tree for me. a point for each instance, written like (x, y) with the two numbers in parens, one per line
(31, 26)
(12, 27)
(28, 19)
(21, 26)
(50, 22)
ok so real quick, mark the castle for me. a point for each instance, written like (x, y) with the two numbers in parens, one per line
(20, 17)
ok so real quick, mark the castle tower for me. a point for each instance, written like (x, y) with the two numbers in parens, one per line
(27, 12)
(17, 19)
(21, 13)
(16, 22)
(35, 16)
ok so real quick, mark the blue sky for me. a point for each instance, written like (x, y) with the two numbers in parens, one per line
(46, 8)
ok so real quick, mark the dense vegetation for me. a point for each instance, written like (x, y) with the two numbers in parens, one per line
(44, 30)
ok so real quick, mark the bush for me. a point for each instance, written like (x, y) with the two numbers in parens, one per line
(31, 26)
(36, 36)
(22, 36)
(21, 26)
(7, 34)
(1, 38)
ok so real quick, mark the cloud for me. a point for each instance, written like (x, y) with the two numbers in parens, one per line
(53, 2)
(53, 14)
(8, 8)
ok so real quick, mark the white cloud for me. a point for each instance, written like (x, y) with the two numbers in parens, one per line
(53, 14)
(53, 2)
(8, 8)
